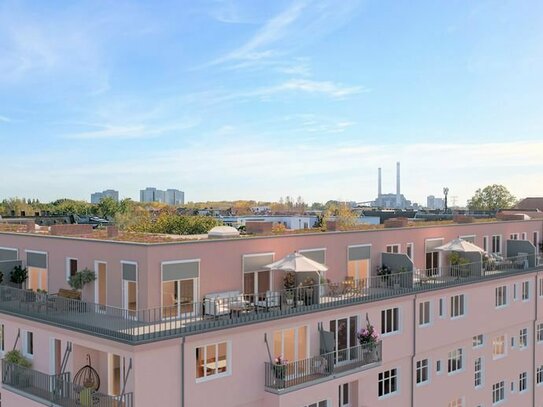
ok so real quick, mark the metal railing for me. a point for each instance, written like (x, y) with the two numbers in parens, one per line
(217, 311)
(58, 389)
(283, 376)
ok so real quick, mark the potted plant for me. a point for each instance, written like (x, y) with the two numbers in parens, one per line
(289, 297)
(18, 275)
(368, 339)
(384, 273)
(19, 375)
(458, 264)
(280, 367)
(289, 284)
(81, 278)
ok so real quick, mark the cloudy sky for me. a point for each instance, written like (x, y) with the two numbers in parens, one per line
(261, 99)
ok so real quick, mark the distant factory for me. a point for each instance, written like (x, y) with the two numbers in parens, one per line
(393, 201)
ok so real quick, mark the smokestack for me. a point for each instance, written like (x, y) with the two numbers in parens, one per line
(379, 182)
(398, 202)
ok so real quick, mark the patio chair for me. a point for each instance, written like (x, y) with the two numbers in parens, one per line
(272, 299)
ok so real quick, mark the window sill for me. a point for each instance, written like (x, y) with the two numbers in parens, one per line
(212, 377)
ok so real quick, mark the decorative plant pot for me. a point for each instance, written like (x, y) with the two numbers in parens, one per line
(290, 301)
(280, 371)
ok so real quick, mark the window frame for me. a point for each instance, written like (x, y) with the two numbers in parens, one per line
(422, 367)
(498, 389)
(478, 372)
(425, 313)
(395, 321)
(455, 361)
(217, 375)
(500, 300)
(501, 344)
(458, 306)
(393, 379)
(525, 290)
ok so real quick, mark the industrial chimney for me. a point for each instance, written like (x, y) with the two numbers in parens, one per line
(379, 182)
(398, 200)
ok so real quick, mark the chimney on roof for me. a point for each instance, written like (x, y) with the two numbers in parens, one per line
(398, 201)
(379, 182)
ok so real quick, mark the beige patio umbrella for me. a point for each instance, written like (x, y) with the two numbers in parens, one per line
(461, 246)
(297, 263)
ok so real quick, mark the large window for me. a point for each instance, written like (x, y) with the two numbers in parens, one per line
(256, 278)
(525, 290)
(344, 395)
(539, 375)
(388, 382)
(432, 263)
(523, 338)
(422, 371)
(522, 381)
(424, 313)
(498, 392)
(455, 361)
(498, 346)
(213, 360)
(540, 332)
(496, 244)
(390, 320)
(71, 267)
(291, 343)
(501, 296)
(457, 306)
(478, 375)
(28, 343)
(344, 330)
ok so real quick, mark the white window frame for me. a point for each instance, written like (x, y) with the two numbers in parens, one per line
(540, 288)
(478, 372)
(68, 259)
(214, 376)
(525, 292)
(394, 246)
(2, 338)
(458, 306)
(411, 246)
(498, 392)
(523, 339)
(392, 373)
(501, 342)
(421, 366)
(499, 251)
(485, 243)
(536, 234)
(539, 376)
(442, 308)
(539, 332)
(25, 344)
(468, 238)
(524, 236)
(500, 296)
(514, 236)
(395, 320)
(455, 361)
(341, 398)
(478, 341)
(523, 382)
(425, 314)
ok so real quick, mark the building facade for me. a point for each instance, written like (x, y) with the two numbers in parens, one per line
(200, 322)
(98, 196)
(170, 196)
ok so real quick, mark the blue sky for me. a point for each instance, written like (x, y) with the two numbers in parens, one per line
(259, 99)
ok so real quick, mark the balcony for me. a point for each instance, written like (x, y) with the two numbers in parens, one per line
(294, 375)
(147, 325)
(56, 389)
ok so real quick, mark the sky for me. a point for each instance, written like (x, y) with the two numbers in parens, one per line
(255, 99)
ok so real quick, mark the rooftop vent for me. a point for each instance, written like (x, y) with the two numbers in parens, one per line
(221, 232)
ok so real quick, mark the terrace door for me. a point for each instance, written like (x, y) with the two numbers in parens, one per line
(130, 288)
(37, 271)
(344, 331)
(432, 264)
(359, 266)
(101, 284)
(292, 345)
(256, 278)
(180, 288)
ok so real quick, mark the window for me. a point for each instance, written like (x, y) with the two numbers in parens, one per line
(322, 403)
(539, 375)
(535, 241)
(457, 403)
(292, 343)
(422, 371)
(441, 308)
(409, 250)
(393, 248)
(390, 320)
(28, 344)
(525, 290)
(496, 244)
(501, 296)
(541, 287)
(478, 341)
(524, 236)
(457, 306)
(514, 236)
(438, 366)
(478, 375)
(2, 338)
(522, 381)
(71, 268)
(424, 313)
(455, 361)
(485, 243)
(498, 392)
(515, 292)
(523, 338)
(540, 332)
(432, 263)
(213, 360)
(498, 347)
(388, 382)
(344, 395)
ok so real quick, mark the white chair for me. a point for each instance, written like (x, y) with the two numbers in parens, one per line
(272, 299)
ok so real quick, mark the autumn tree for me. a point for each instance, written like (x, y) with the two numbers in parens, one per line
(492, 198)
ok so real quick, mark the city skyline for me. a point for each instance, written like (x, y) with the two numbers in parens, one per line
(298, 98)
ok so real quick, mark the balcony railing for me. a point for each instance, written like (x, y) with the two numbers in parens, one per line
(218, 312)
(58, 389)
(319, 368)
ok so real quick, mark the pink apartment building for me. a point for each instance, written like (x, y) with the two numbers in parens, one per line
(200, 322)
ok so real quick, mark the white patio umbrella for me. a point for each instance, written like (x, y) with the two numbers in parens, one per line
(461, 246)
(297, 263)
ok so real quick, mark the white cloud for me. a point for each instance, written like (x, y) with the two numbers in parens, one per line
(5, 119)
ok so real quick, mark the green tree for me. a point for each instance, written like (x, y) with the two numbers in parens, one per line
(108, 207)
(171, 223)
(492, 198)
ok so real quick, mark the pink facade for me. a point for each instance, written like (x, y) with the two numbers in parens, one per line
(166, 372)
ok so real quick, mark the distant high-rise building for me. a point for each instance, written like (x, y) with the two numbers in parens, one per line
(170, 196)
(98, 196)
(434, 203)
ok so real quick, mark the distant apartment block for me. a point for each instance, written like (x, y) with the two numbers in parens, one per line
(170, 196)
(434, 203)
(98, 196)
